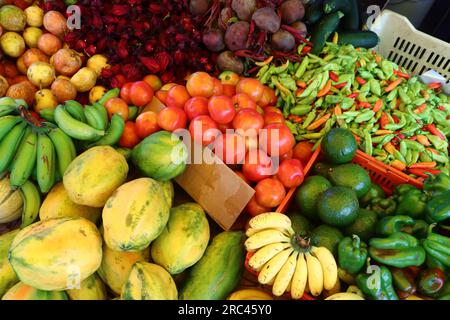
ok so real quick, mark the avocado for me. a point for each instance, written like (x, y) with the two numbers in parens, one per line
(352, 176)
(338, 206)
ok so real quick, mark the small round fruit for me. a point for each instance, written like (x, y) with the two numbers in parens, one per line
(236, 36)
(273, 117)
(63, 90)
(292, 10)
(117, 106)
(4, 85)
(213, 40)
(229, 77)
(253, 208)
(21, 66)
(338, 206)
(257, 166)
(270, 193)
(141, 93)
(129, 138)
(41, 74)
(31, 36)
(351, 175)
(283, 41)
(203, 130)
(45, 99)
(196, 106)
(290, 173)
(125, 92)
(243, 101)
(268, 98)
(251, 87)
(35, 16)
(221, 109)
(218, 88)
(267, 19)
(200, 84)
(84, 80)
(172, 118)
(248, 119)
(12, 18)
(308, 193)
(49, 44)
(230, 148)
(177, 97)
(12, 44)
(97, 63)
(229, 90)
(303, 151)
(227, 61)
(339, 146)
(276, 139)
(153, 81)
(68, 62)
(33, 55)
(96, 93)
(147, 124)
(244, 8)
(55, 23)
(23, 90)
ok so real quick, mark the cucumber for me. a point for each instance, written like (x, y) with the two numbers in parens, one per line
(323, 30)
(314, 12)
(219, 271)
(349, 8)
(362, 39)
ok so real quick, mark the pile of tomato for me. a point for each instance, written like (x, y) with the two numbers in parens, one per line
(226, 109)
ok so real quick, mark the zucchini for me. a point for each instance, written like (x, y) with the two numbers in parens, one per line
(349, 8)
(314, 12)
(323, 30)
(361, 39)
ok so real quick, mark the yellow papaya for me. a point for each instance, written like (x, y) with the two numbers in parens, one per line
(250, 294)
(135, 215)
(8, 277)
(116, 266)
(148, 281)
(184, 239)
(54, 254)
(94, 175)
(22, 291)
(91, 288)
(57, 204)
(11, 203)
(168, 191)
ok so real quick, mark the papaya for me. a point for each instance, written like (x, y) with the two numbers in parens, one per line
(11, 203)
(91, 288)
(135, 215)
(250, 294)
(8, 277)
(53, 254)
(22, 291)
(57, 204)
(169, 192)
(93, 176)
(116, 266)
(161, 156)
(184, 239)
(149, 281)
(219, 271)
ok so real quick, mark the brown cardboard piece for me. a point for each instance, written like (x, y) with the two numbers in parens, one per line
(217, 189)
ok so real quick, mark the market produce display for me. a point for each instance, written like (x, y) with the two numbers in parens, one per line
(90, 149)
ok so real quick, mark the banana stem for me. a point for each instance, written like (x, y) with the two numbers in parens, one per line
(303, 243)
(27, 115)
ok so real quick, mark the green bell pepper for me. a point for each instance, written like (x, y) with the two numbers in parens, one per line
(377, 286)
(438, 247)
(431, 281)
(402, 189)
(437, 184)
(389, 225)
(383, 207)
(352, 254)
(374, 192)
(438, 208)
(412, 203)
(399, 250)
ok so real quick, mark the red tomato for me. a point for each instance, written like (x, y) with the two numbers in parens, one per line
(117, 105)
(153, 81)
(196, 106)
(204, 130)
(303, 152)
(224, 127)
(268, 98)
(218, 87)
(200, 84)
(276, 139)
(290, 173)
(257, 165)
(172, 118)
(252, 87)
(125, 92)
(146, 124)
(229, 90)
(243, 101)
(269, 193)
(230, 148)
(129, 138)
(253, 208)
(287, 156)
(161, 95)
(177, 97)
(247, 119)
(273, 117)
(141, 93)
(272, 109)
(221, 109)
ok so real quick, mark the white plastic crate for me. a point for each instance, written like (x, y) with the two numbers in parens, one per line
(412, 49)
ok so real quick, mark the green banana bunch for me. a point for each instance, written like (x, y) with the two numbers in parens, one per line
(45, 163)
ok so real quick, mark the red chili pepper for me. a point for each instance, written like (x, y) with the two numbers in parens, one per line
(401, 136)
(353, 95)
(361, 80)
(413, 138)
(435, 85)
(442, 108)
(384, 120)
(434, 131)
(334, 76)
(340, 85)
(306, 49)
(401, 74)
(422, 172)
(365, 105)
(396, 120)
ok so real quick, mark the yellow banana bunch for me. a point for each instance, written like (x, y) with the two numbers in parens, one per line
(287, 261)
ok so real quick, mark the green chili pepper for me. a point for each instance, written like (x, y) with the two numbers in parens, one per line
(403, 148)
(392, 95)
(365, 116)
(313, 86)
(368, 147)
(375, 87)
(387, 68)
(437, 142)
(309, 119)
(262, 71)
(403, 96)
(301, 110)
(399, 156)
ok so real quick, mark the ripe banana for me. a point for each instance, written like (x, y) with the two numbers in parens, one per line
(31, 203)
(270, 220)
(24, 160)
(263, 255)
(64, 147)
(7, 123)
(74, 128)
(271, 268)
(94, 118)
(113, 133)
(329, 266)
(102, 110)
(46, 163)
(9, 145)
(315, 274)
(345, 296)
(284, 277)
(75, 109)
(264, 238)
(48, 114)
(250, 231)
(300, 277)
